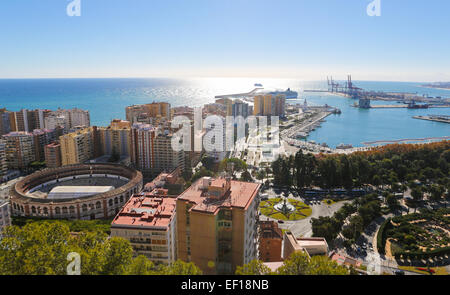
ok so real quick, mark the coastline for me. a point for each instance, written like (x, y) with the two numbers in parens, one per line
(438, 88)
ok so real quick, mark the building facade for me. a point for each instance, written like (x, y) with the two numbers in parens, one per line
(80, 146)
(42, 137)
(3, 162)
(19, 149)
(5, 215)
(269, 105)
(148, 221)
(116, 138)
(240, 108)
(145, 113)
(270, 241)
(217, 224)
(52, 153)
(151, 150)
(67, 118)
(5, 121)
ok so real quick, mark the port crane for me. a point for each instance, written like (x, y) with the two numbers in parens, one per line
(347, 88)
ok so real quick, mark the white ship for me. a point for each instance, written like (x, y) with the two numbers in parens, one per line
(288, 93)
(343, 146)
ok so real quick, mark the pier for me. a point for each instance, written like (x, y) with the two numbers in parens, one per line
(382, 142)
(434, 118)
(405, 106)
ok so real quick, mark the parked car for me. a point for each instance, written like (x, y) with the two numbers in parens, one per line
(399, 272)
(280, 221)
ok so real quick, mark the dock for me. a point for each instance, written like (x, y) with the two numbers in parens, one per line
(405, 106)
(410, 140)
(389, 106)
(434, 118)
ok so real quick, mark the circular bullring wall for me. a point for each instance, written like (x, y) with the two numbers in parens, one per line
(26, 202)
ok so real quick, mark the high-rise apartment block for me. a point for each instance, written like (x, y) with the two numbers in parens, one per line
(20, 149)
(53, 155)
(5, 215)
(54, 120)
(228, 103)
(42, 137)
(3, 163)
(217, 224)
(269, 105)
(148, 221)
(166, 158)
(80, 146)
(148, 113)
(151, 149)
(5, 121)
(142, 140)
(240, 108)
(116, 138)
(68, 119)
(28, 120)
(215, 139)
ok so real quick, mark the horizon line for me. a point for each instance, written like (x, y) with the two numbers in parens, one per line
(207, 77)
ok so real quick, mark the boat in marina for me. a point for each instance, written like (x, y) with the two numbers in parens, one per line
(343, 146)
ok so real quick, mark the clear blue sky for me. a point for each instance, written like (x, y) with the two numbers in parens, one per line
(305, 39)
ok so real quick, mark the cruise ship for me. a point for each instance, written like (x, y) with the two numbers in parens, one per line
(288, 93)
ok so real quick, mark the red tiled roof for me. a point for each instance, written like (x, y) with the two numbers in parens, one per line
(240, 195)
(146, 210)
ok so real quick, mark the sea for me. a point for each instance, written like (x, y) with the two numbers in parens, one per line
(106, 99)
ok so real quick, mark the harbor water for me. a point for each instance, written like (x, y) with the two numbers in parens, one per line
(106, 99)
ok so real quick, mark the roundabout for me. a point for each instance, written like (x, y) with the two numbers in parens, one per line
(285, 209)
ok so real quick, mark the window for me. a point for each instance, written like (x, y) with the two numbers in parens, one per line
(98, 205)
(84, 208)
(64, 210)
(57, 210)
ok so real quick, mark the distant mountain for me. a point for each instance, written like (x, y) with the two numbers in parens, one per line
(445, 85)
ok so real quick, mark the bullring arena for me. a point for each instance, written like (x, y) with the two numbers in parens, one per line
(85, 191)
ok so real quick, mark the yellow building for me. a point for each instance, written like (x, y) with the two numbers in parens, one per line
(147, 113)
(116, 139)
(79, 146)
(120, 124)
(217, 224)
(269, 105)
(228, 103)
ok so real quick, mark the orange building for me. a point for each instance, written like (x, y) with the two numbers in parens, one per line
(217, 224)
(270, 241)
